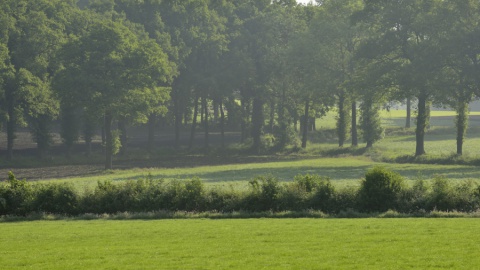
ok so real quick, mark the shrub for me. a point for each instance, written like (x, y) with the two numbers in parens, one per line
(265, 192)
(56, 199)
(466, 200)
(414, 199)
(193, 196)
(446, 197)
(345, 199)
(380, 190)
(321, 189)
(442, 196)
(16, 196)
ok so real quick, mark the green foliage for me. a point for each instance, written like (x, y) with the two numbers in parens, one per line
(116, 143)
(17, 196)
(380, 190)
(266, 191)
(370, 122)
(56, 199)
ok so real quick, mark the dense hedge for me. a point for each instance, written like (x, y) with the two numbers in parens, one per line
(381, 190)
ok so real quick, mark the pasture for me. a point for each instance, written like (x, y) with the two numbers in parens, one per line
(260, 243)
(242, 244)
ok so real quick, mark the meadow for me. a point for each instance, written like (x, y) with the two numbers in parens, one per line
(242, 244)
(268, 243)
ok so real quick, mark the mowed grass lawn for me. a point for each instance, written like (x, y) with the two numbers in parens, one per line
(242, 244)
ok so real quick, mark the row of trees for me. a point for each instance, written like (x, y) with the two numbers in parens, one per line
(259, 66)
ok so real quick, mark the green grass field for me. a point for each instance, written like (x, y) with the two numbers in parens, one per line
(242, 244)
(342, 171)
(267, 243)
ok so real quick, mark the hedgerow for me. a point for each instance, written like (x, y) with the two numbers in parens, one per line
(380, 191)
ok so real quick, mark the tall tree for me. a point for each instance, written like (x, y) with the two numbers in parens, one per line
(403, 36)
(111, 71)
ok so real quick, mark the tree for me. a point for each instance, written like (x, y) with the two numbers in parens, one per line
(404, 36)
(33, 32)
(460, 52)
(111, 70)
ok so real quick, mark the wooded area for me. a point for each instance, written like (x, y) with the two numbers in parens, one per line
(265, 68)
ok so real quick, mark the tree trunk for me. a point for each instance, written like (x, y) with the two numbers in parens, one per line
(422, 121)
(354, 124)
(245, 119)
(205, 123)
(305, 124)
(11, 126)
(152, 121)
(122, 127)
(461, 123)
(257, 123)
(342, 121)
(109, 140)
(282, 121)
(88, 133)
(178, 121)
(40, 127)
(215, 111)
(272, 116)
(194, 124)
(409, 113)
(222, 123)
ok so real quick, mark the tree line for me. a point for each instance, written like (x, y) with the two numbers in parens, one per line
(262, 67)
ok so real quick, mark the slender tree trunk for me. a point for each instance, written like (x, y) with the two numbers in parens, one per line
(178, 120)
(109, 140)
(205, 123)
(245, 119)
(305, 124)
(272, 116)
(257, 123)
(354, 124)
(282, 121)
(11, 126)
(194, 124)
(40, 128)
(215, 111)
(104, 137)
(122, 127)
(89, 131)
(342, 120)
(222, 123)
(422, 121)
(152, 121)
(409, 113)
(461, 122)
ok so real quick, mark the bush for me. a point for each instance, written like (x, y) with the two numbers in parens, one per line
(380, 190)
(265, 193)
(442, 195)
(16, 196)
(321, 190)
(415, 198)
(56, 199)
(445, 197)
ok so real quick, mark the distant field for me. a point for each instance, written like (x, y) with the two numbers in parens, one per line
(397, 118)
(342, 171)
(242, 244)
